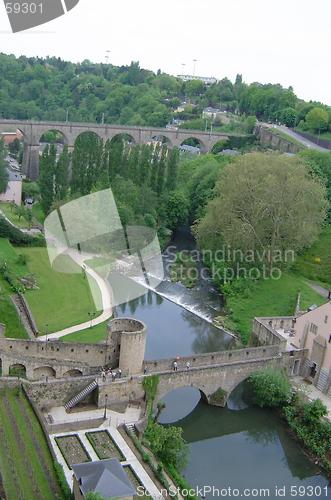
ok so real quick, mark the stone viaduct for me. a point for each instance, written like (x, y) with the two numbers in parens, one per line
(32, 132)
(60, 373)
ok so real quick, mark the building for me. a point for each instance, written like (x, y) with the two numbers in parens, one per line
(207, 80)
(309, 332)
(9, 137)
(14, 188)
(211, 113)
(105, 477)
(312, 331)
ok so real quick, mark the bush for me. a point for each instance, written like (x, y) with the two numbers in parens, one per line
(17, 237)
(271, 388)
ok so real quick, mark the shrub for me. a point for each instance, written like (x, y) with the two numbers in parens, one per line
(271, 388)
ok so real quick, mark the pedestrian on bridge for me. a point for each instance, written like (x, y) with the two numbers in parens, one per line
(175, 365)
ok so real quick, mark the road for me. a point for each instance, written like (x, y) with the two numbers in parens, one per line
(297, 137)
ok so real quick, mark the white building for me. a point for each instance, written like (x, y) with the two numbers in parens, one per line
(207, 80)
(14, 188)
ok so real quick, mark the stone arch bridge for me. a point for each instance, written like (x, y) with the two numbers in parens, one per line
(32, 132)
(215, 375)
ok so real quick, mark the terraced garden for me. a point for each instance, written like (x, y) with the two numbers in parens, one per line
(104, 446)
(26, 464)
(72, 450)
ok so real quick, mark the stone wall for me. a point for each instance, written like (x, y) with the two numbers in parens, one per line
(264, 331)
(216, 358)
(270, 139)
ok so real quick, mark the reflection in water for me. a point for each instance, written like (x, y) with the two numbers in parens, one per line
(171, 330)
(243, 448)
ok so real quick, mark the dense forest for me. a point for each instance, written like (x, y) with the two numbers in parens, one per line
(53, 89)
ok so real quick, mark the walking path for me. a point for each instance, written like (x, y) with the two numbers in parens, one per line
(106, 299)
(104, 287)
(324, 292)
(110, 425)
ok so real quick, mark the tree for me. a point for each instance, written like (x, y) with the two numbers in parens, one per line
(271, 388)
(265, 204)
(288, 116)
(175, 209)
(317, 119)
(46, 177)
(62, 175)
(167, 443)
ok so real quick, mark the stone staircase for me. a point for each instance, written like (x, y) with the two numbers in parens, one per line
(81, 395)
(322, 380)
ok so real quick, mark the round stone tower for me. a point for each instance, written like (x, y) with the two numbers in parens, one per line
(132, 344)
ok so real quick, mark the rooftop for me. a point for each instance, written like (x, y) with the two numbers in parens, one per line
(105, 477)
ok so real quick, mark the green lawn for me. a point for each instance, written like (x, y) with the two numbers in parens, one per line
(269, 298)
(10, 214)
(315, 263)
(8, 315)
(25, 461)
(90, 336)
(62, 299)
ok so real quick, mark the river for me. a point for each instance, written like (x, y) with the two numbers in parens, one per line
(241, 446)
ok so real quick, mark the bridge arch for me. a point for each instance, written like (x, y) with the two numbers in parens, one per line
(193, 142)
(162, 139)
(179, 403)
(72, 373)
(126, 138)
(90, 135)
(17, 370)
(43, 372)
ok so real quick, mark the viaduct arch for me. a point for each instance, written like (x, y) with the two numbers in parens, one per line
(32, 132)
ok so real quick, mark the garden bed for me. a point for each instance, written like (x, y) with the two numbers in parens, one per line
(104, 446)
(72, 450)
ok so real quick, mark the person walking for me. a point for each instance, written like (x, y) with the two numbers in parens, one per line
(175, 366)
(188, 365)
(119, 373)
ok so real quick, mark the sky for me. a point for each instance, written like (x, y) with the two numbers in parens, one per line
(270, 41)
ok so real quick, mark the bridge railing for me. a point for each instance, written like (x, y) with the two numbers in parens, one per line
(214, 358)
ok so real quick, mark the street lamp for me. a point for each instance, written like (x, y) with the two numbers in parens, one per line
(105, 411)
(194, 63)
(46, 330)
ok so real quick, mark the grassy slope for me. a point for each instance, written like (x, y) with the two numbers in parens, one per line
(270, 298)
(8, 314)
(30, 469)
(10, 214)
(90, 336)
(315, 263)
(63, 299)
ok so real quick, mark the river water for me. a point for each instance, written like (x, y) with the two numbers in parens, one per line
(241, 446)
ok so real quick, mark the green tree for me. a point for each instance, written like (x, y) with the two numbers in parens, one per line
(271, 388)
(317, 119)
(62, 175)
(46, 177)
(288, 116)
(266, 203)
(167, 443)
